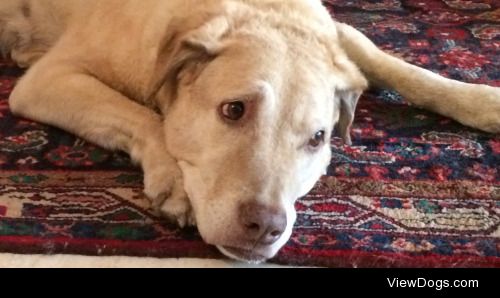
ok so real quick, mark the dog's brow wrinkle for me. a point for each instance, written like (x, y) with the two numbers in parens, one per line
(267, 92)
(26, 10)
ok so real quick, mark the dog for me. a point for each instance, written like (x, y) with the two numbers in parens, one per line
(228, 105)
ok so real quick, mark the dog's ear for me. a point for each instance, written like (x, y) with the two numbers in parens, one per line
(347, 100)
(183, 52)
(349, 85)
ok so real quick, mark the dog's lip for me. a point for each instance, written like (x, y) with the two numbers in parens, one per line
(243, 254)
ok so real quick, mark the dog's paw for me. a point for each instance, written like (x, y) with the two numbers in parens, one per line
(158, 187)
(483, 111)
(178, 209)
(164, 185)
(165, 190)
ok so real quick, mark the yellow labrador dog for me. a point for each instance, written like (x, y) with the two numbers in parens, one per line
(228, 105)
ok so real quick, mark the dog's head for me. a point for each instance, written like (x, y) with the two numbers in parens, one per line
(255, 102)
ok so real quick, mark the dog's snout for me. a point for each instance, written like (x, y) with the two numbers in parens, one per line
(262, 223)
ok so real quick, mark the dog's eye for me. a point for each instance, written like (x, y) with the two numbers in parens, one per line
(233, 111)
(317, 140)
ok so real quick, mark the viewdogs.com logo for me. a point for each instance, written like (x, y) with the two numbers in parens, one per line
(428, 283)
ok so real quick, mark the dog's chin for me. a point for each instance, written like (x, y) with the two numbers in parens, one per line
(244, 255)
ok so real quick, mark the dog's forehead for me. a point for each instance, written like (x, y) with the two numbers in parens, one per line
(243, 68)
(292, 89)
(307, 98)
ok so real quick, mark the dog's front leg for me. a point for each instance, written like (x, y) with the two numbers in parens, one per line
(60, 95)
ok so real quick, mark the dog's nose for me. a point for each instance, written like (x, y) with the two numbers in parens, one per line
(262, 223)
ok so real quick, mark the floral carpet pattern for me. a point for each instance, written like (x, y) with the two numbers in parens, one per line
(415, 190)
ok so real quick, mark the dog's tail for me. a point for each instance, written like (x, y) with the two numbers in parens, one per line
(477, 106)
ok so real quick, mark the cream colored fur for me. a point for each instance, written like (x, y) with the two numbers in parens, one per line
(149, 77)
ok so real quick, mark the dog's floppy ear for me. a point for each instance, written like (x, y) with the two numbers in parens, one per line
(349, 85)
(183, 50)
(347, 102)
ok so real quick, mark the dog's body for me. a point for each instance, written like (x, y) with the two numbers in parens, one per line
(249, 92)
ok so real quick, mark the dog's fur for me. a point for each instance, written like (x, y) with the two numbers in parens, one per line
(149, 77)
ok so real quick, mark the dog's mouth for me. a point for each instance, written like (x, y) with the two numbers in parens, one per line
(244, 255)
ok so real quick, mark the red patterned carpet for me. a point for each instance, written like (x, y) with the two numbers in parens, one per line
(416, 189)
